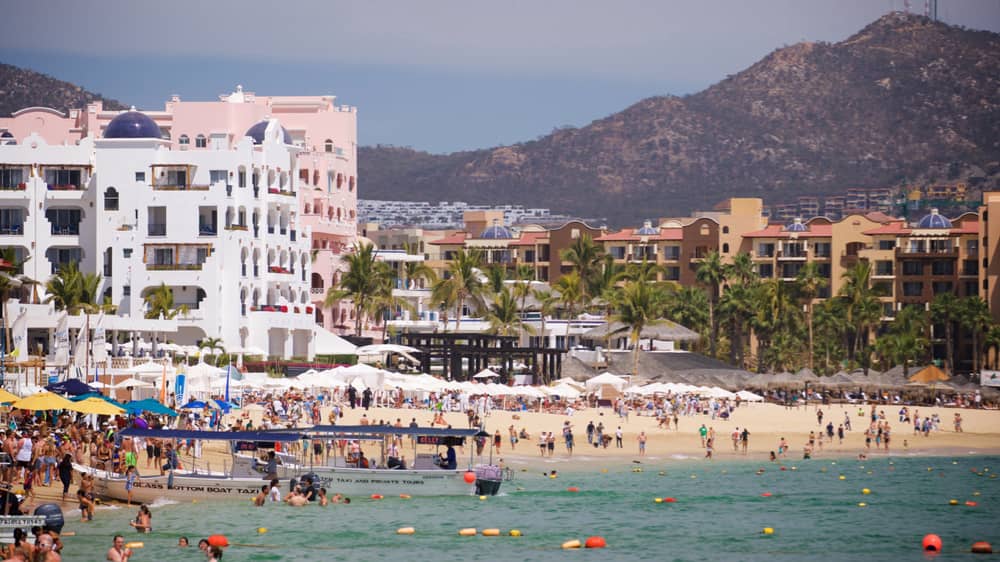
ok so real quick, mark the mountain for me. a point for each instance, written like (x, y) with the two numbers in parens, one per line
(20, 88)
(907, 100)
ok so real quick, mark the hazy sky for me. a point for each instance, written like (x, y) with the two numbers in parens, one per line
(435, 75)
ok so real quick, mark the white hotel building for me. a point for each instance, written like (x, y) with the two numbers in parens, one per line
(219, 222)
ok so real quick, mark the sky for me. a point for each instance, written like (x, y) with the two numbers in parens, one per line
(435, 75)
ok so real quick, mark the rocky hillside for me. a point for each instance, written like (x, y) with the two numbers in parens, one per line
(20, 88)
(905, 100)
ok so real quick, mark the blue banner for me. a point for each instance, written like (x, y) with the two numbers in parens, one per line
(179, 389)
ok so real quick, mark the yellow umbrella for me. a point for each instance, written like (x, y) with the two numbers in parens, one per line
(7, 397)
(44, 401)
(95, 405)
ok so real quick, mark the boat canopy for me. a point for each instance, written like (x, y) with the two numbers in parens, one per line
(212, 435)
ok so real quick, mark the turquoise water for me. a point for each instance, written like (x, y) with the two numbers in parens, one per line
(719, 515)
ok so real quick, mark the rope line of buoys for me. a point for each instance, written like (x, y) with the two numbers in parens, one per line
(376, 496)
(491, 532)
(573, 489)
(467, 532)
(218, 540)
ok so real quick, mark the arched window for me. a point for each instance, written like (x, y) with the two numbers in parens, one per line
(200, 141)
(725, 230)
(183, 140)
(111, 199)
(725, 248)
(329, 145)
(350, 184)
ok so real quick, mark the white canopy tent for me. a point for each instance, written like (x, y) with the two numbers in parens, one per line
(606, 379)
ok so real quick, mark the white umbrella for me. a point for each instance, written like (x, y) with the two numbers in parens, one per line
(606, 379)
(385, 348)
(485, 374)
(749, 396)
(564, 391)
(133, 382)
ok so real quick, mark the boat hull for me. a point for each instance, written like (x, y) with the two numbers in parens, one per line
(179, 487)
(386, 482)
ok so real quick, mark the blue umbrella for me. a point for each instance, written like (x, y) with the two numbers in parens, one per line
(148, 405)
(199, 405)
(224, 406)
(71, 386)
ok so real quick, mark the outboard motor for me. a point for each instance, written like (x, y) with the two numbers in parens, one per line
(53, 516)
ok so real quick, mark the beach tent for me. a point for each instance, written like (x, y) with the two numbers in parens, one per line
(605, 379)
(485, 374)
(73, 387)
(328, 343)
(564, 391)
(133, 382)
(929, 374)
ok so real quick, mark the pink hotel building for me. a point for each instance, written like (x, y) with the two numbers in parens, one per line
(326, 137)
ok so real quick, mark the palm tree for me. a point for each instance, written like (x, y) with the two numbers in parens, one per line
(809, 282)
(416, 271)
(688, 306)
(547, 302)
(504, 315)
(571, 293)
(946, 309)
(862, 308)
(906, 340)
(464, 284)
(976, 318)
(585, 257)
(992, 341)
(160, 303)
(384, 302)
(73, 290)
(639, 305)
(496, 274)
(360, 282)
(213, 344)
(711, 273)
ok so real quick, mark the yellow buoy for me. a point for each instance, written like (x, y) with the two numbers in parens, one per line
(553, 476)
(491, 532)
(862, 504)
(261, 530)
(514, 533)
(405, 531)
(658, 500)
(663, 473)
(952, 502)
(768, 531)
(865, 491)
(693, 476)
(467, 532)
(134, 545)
(482, 498)
(975, 493)
(571, 544)
(842, 477)
(604, 471)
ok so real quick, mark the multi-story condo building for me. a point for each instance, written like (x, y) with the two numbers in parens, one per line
(234, 204)
(808, 206)
(833, 207)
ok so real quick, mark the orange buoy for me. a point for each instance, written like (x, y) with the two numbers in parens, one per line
(670, 500)
(404, 496)
(766, 495)
(218, 540)
(982, 547)
(971, 503)
(405, 531)
(376, 496)
(491, 532)
(467, 532)
(595, 542)
(571, 544)
(572, 489)
(142, 545)
(470, 477)
(932, 543)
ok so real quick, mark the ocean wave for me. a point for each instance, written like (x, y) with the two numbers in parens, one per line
(160, 502)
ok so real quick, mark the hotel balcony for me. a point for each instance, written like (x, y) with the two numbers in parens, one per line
(950, 252)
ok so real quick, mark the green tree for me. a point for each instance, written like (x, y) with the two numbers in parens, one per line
(463, 285)
(364, 277)
(976, 319)
(212, 345)
(809, 282)
(496, 275)
(547, 302)
(504, 314)
(639, 305)
(73, 290)
(585, 257)
(571, 293)
(906, 339)
(862, 309)
(416, 271)
(688, 306)
(711, 274)
(946, 309)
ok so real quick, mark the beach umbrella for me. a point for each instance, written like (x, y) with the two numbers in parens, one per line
(199, 405)
(485, 374)
(606, 379)
(71, 386)
(564, 391)
(44, 401)
(96, 406)
(134, 383)
(7, 397)
(149, 405)
(224, 406)
(929, 374)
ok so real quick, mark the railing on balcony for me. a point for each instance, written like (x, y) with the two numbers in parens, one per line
(208, 230)
(63, 187)
(12, 229)
(270, 229)
(256, 270)
(174, 266)
(930, 251)
(65, 230)
(238, 227)
(21, 186)
(157, 229)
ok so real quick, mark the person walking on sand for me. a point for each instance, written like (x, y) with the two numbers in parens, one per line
(642, 443)
(703, 432)
(618, 437)
(745, 439)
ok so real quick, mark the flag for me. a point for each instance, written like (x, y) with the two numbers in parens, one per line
(61, 348)
(229, 370)
(163, 385)
(180, 389)
(99, 350)
(19, 335)
(80, 351)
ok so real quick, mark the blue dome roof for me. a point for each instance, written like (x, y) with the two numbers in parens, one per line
(934, 220)
(647, 229)
(496, 232)
(797, 226)
(132, 125)
(257, 133)
(6, 135)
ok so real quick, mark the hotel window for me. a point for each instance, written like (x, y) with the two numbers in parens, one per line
(943, 267)
(163, 256)
(618, 252)
(886, 244)
(825, 270)
(765, 270)
(126, 290)
(913, 268)
(790, 270)
(65, 222)
(242, 178)
(12, 221)
(63, 178)
(111, 199)
(883, 268)
(328, 145)
(913, 289)
(942, 287)
(970, 267)
(970, 289)
(200, 142)
(11, 178)
(972, 246)
(672, 274)
(765, 250)
(882, 288)
(725, 248)
(184, 141)
(821, 249)
(215, 176)
(127, 253)
(140, 176)
(671, 252)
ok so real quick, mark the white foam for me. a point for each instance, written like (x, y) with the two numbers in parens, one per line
(160, 502)
(680, 457)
